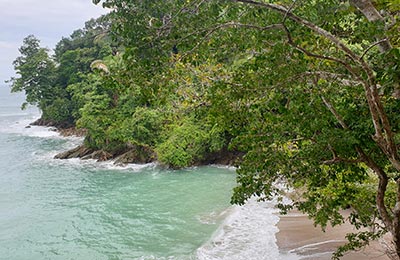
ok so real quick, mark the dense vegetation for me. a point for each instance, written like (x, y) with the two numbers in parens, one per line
(308, 90)
(47, 80)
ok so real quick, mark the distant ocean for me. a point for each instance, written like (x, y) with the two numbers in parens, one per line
(74, 209)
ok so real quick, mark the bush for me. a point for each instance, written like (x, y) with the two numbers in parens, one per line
(144, 126)
(58, 111)
(187, 144)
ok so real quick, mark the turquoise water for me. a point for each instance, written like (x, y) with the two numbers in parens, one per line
(52, 209)
(74, 209)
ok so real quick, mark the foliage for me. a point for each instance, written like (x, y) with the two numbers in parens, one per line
(59, 110)
(188, 143)
(143, 127)
(184, 146)
(309, 90)
(36, 73)
(46, 79)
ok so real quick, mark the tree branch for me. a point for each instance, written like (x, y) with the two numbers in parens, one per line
(231, 24)
(310, 54)
(338, 117)
(370, 47)
(367, 8)
(286, 12)
(337, 159)
(382, 187)
(289, 10)
(334, 76)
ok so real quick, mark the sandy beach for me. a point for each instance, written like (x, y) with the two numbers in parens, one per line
(298, 235)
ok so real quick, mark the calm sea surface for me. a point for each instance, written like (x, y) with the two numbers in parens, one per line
(72, 209)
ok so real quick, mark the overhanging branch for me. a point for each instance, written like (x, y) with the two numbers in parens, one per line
(231, 24)
(370, 47)
(287, 13)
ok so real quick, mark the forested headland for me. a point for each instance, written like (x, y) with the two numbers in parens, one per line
(304, 93)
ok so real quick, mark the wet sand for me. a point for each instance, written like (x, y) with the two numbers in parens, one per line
(298, 235)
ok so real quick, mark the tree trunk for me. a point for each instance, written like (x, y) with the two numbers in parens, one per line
(396, 238)
(396, 221)
(372, 15)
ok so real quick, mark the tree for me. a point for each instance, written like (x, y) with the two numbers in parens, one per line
(309, 92)
(36, 73)
(46, 79)
(353, 144)
(73, 56)
(75, 53)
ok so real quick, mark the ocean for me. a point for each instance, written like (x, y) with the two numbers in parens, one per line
(75, 209)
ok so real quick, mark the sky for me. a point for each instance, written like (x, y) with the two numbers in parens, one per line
(48, 20)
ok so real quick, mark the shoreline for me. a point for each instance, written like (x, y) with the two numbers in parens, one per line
(297, 235)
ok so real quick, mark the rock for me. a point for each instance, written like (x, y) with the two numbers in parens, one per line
(137, 154)
(28, 126)
(77, 152)
(58, 125)
(98, 155)
(73, 131)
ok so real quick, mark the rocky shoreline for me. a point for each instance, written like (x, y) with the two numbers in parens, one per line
(130, 153)
(51, 123)
(138, 154)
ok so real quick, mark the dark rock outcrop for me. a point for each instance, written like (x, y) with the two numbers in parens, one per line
(58, 125)
(72, 131)
(77, 152)
(99, 155)
(132, 154)
(64, 128)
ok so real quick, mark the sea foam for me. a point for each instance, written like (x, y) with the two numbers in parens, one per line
(22, 126)
(94, 164)
(247, 233)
